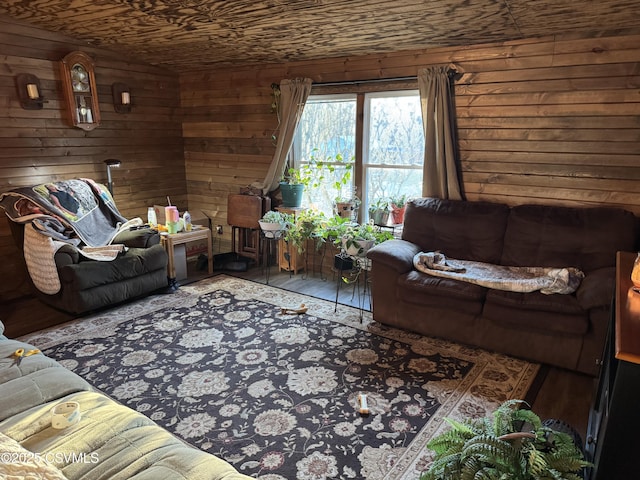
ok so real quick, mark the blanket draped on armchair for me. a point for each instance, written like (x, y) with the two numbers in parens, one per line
(72, 211)
(79, 212)
(514, 279)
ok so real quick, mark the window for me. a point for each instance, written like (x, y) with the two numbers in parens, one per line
(393, 151)
(327, 131)
(392, 146)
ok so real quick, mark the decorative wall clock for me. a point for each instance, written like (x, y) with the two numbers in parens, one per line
(79, 84)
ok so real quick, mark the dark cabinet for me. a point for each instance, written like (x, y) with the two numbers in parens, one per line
(613, 433)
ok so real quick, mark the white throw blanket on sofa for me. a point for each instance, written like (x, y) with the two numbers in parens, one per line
(514, 279)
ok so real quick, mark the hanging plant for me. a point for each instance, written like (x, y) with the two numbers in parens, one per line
(275, 108)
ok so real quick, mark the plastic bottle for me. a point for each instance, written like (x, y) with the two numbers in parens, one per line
(152, 220)
(186, 218)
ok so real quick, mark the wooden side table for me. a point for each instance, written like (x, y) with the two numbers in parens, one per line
(169, 241)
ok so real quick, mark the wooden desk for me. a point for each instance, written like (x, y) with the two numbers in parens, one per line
(169, 241)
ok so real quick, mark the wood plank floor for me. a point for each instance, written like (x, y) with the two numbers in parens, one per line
(563, 395)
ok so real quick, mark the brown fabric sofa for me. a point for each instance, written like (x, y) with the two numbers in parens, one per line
(562, 330)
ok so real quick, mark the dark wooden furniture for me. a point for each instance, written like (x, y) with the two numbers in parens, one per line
(613, 433)
(243, 214)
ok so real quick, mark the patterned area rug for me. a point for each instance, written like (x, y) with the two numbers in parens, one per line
(276, 395)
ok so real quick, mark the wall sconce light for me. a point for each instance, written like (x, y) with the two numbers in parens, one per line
(111, 163)
(121, 97)
(29, 91)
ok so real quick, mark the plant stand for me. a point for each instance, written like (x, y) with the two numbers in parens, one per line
(289, 259)
(358, 267)
(269, 241)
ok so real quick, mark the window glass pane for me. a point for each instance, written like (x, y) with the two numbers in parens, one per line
(327, 131)
(394, 146)
(393, 183)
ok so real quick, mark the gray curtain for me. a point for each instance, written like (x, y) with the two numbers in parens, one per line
(440, 174)
(293, 96)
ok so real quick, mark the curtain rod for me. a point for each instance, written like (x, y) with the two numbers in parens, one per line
(358, 82)
(454, 70)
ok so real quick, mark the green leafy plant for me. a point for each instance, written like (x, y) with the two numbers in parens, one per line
(379, 211)
(274, 223)
(307, 225)
(398, 201)
(360, 237)
(511, 445)
(274, 216)
(333, 228)
(297, 176)
(329, 164)
(379, 204)
(313, 173)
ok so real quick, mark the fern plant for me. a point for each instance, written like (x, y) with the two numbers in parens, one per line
(497, 448)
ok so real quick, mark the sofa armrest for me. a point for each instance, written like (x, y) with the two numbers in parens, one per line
(597, 288)
(396, 254)
(66, 255)
(139, 238)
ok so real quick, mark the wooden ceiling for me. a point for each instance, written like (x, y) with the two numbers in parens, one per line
(193, 34)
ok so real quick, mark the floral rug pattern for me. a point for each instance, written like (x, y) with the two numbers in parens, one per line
(276, 394)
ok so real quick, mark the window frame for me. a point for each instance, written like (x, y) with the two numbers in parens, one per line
(359, 90)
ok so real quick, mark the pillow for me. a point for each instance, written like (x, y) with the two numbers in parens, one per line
(19, 463)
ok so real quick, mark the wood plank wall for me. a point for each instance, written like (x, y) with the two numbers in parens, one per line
(549, 120)
(38, 145)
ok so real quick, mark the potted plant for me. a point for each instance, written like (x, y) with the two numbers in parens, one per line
(273, 223)
(357, 239)
(333, 174)
(310, 174)
(398, 205)
(292, 186)
(331, 231)
(379, 211)
(333, 228)
(346, 206)
(346, 202)
(513, 444)
(307, 225)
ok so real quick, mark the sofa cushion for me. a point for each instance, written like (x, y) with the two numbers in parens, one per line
(550, 236)
(136, 262)
(536, 311)
(422, 289)
(459, 229)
